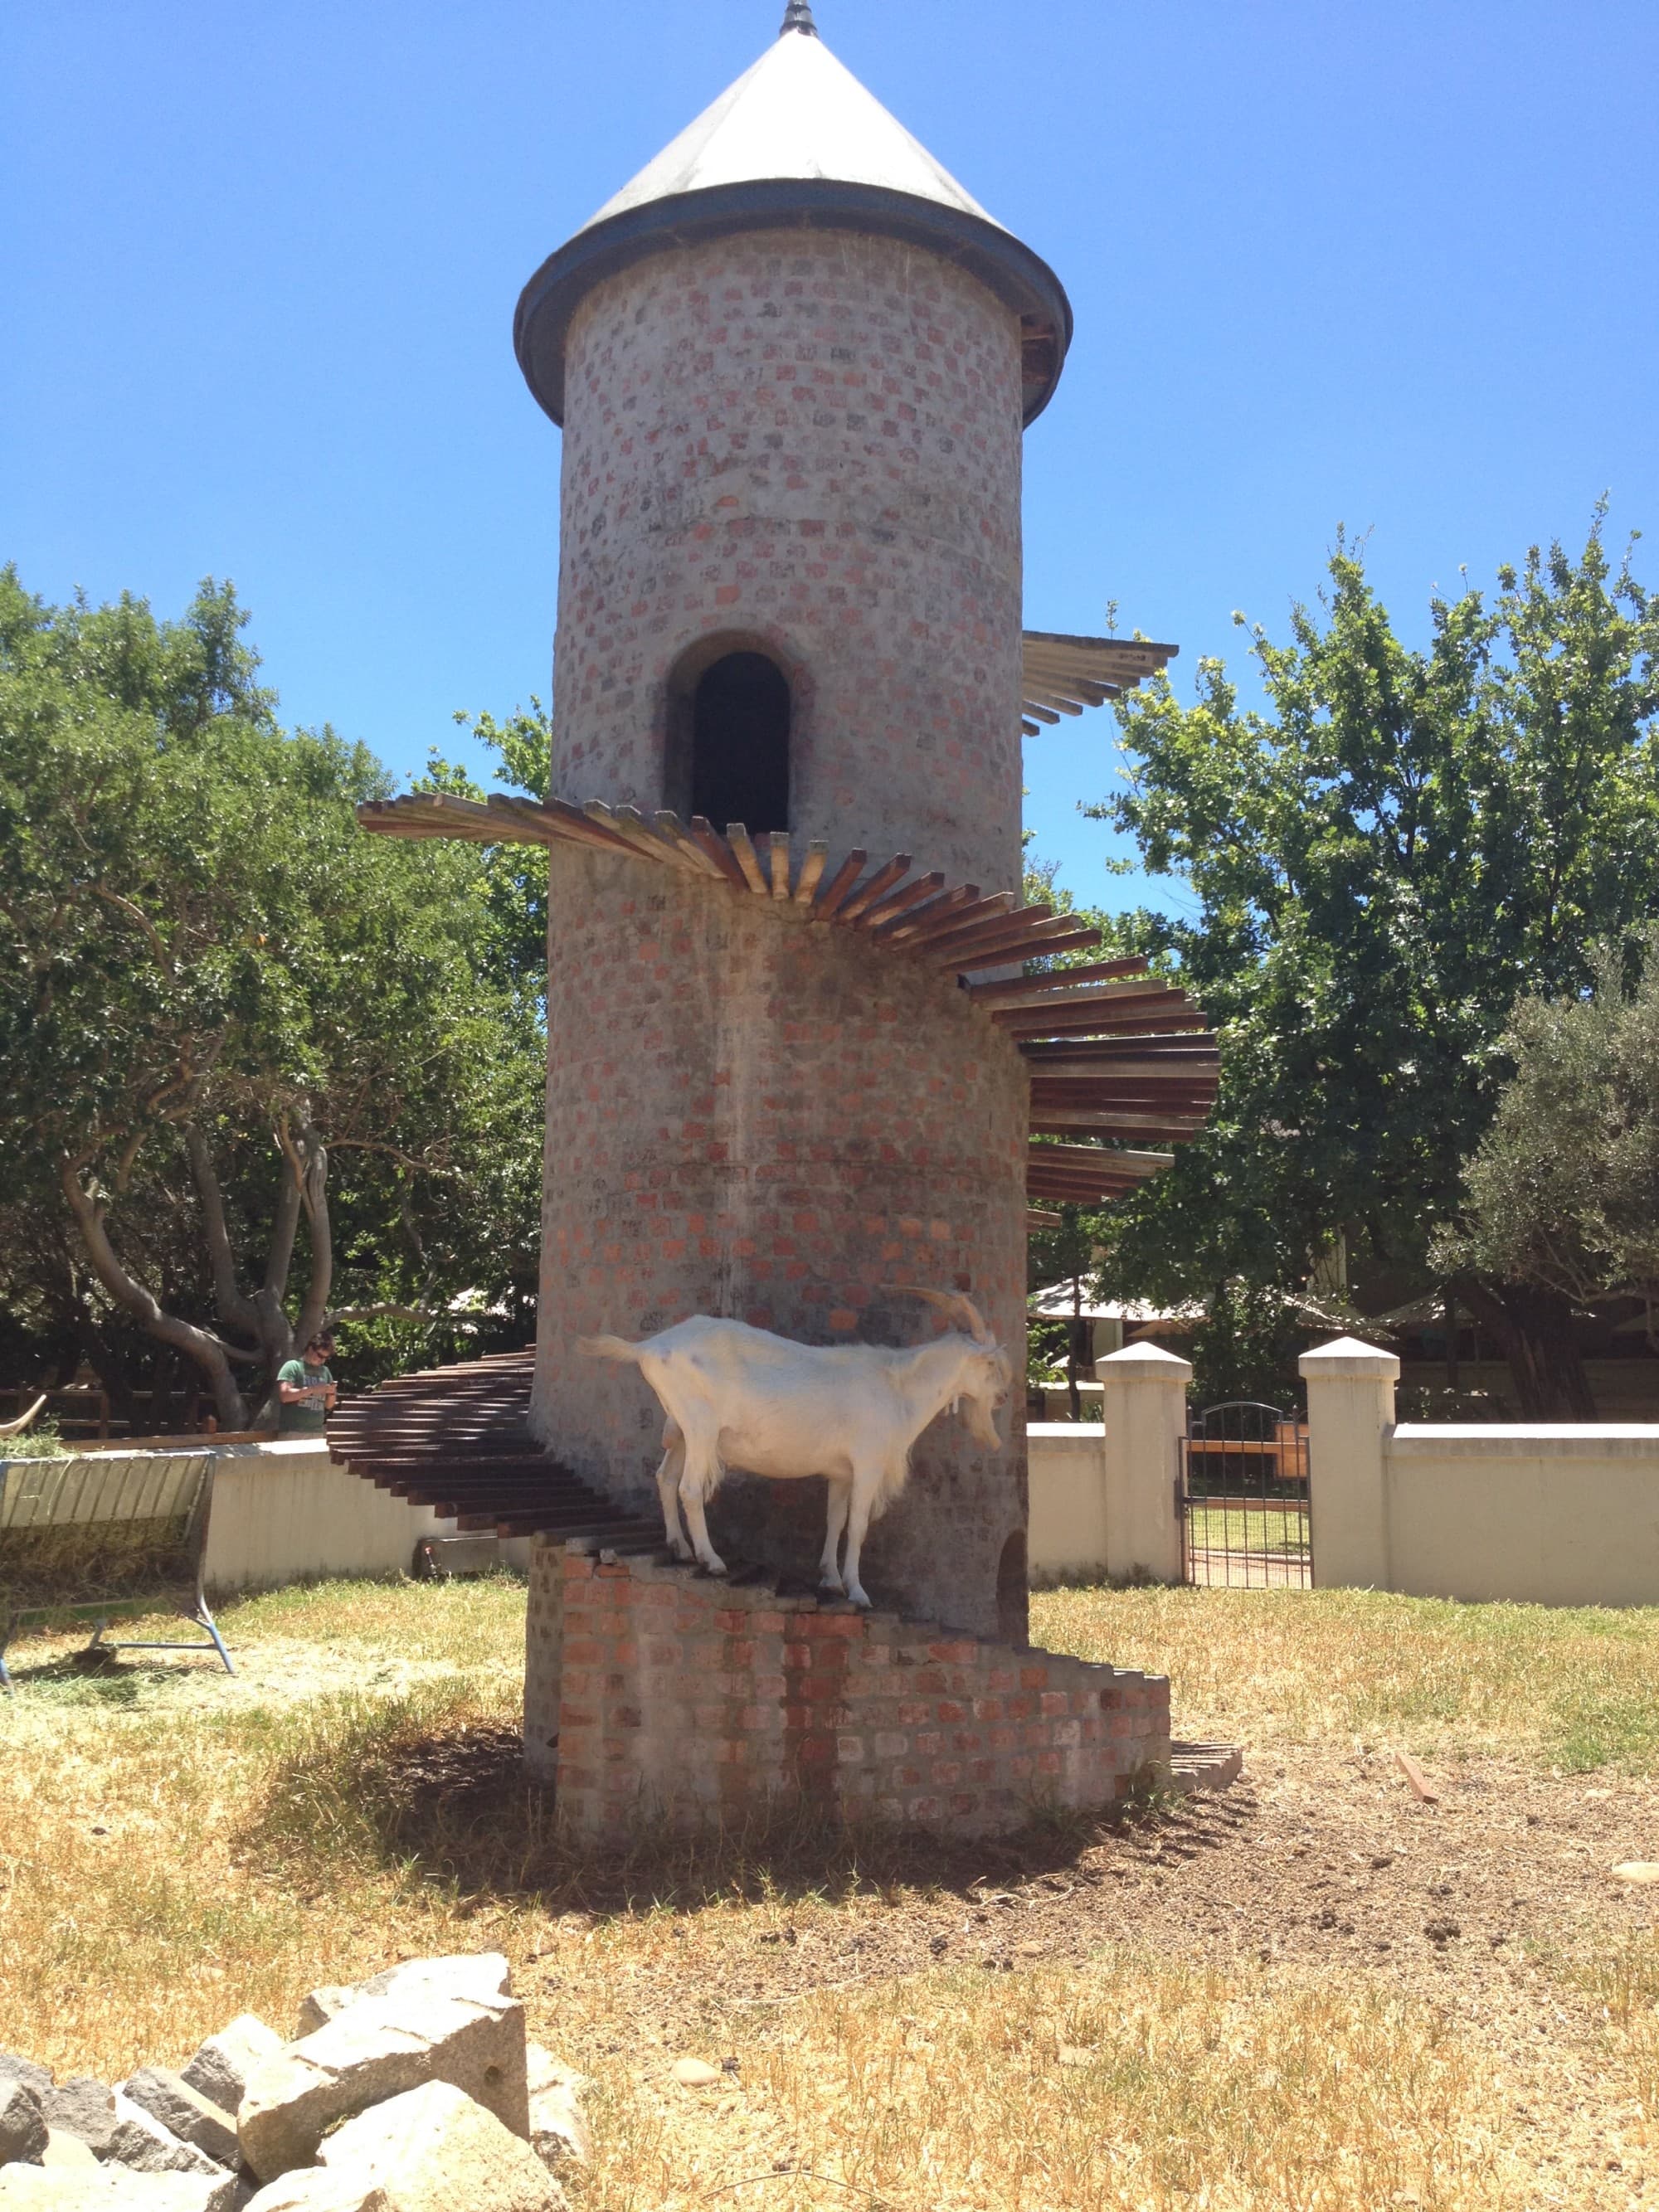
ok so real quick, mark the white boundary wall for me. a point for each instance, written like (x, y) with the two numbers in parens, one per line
(286, 1512)
(1066, 1524)
(1551, 1513)
(1103, 1494)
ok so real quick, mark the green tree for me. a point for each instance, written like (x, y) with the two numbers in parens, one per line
(1064, 1252)
(1564, 1191)
(516, 874)
(252, 1055)
(1406, 844)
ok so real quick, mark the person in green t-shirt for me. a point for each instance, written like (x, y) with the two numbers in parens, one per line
(306, 1390)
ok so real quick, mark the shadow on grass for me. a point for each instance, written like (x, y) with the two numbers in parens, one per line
(435, 1787)
(97, 1678)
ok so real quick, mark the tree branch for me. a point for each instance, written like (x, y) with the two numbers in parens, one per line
(315, 1191)
(395, 1313)
(392, 1152)
(228, 1300)
(164, 959)
(286, 1222)
(206, 1350)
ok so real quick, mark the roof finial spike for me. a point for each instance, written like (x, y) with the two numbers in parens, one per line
(798, 16)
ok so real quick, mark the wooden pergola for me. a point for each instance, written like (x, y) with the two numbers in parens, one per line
(1120, 1063)
(1062, 674)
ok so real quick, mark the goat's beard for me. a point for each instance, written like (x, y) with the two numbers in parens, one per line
(982, 1426)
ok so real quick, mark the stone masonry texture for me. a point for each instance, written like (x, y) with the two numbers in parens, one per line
(756, 1115)
(808, 443)
(685, 1702)
(542, 1658)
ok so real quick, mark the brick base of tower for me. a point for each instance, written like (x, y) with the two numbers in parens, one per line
(658, 1695)
(759, 1116)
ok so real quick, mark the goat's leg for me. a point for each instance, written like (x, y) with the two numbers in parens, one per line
(841, 1498)
(866, 1488)
(668, 1488)
(702, 1477)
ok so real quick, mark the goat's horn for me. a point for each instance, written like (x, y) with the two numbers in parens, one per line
(960, 1308)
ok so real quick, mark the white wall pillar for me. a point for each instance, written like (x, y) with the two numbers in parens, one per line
(1350, 1417)
(1144, 1412)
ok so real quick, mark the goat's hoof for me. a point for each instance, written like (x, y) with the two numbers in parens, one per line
(711, 1565)
(830, 1586)
(857, 1597)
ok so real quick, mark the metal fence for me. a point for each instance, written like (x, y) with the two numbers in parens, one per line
(104, 1538)
(1245, 1498)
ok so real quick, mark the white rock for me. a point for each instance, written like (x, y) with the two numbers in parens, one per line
(147, 2145)
(314, 2189)
(111, 2189)
(221, 2068)
(375, 2049)
(318, 2007)
(558, 2126)
(66, 2152)
(484, 1976)
(194, 2118)
(1638, 1871)
(81, 2107)
(22, 2123)
(542, 2070)
(433, 2149)
(695, 2073)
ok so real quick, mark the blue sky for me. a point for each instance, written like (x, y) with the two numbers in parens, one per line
(1387, 266)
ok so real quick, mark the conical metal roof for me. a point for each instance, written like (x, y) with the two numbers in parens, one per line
(797, 140)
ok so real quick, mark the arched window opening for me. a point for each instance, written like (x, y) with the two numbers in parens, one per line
(739, 744)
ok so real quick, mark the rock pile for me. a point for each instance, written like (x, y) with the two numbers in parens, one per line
(415, 2091)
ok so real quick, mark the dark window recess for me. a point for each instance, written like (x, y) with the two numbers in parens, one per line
(740, 744)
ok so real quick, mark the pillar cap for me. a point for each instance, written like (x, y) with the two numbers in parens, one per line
(1348, 1356)
(1145, 1362)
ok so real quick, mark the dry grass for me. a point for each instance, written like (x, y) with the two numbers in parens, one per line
(177, 1848)
(1133, 2084)
(1569, 1688)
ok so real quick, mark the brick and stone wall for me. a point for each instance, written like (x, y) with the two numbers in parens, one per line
(543, 1658)
(755, 1115)
(683, 1700)
(809, 441)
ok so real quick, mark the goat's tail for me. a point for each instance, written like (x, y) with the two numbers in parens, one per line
(610, 1347)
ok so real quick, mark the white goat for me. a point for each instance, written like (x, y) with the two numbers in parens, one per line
(740, 1397)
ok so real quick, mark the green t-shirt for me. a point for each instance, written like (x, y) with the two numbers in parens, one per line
(304, 1420)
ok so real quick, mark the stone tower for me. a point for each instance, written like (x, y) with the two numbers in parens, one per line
(792, 361)
(790, 1064)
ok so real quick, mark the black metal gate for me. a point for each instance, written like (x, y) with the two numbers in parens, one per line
(1243, 1499)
